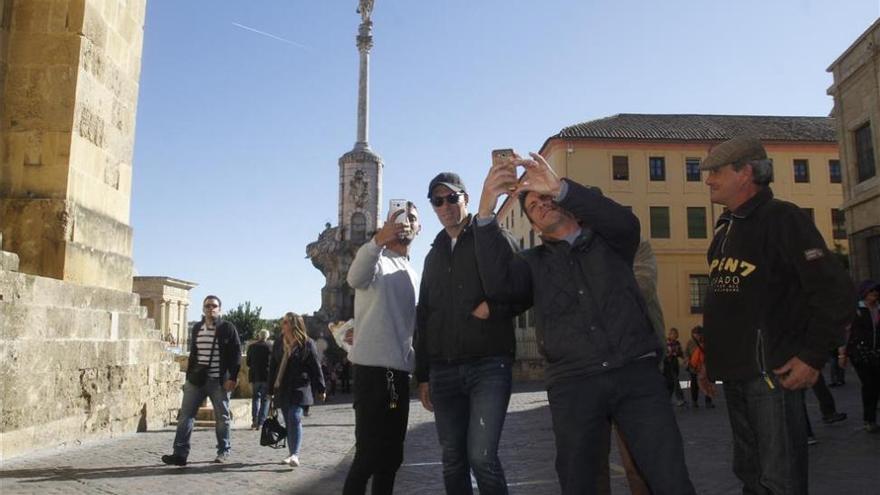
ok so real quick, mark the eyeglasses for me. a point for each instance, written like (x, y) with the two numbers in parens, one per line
(211, 306)
(452, 199)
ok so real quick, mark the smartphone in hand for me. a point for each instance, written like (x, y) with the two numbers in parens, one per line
(503, 157)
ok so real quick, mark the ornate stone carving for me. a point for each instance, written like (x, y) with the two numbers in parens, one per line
(358, 189)
(365, 9)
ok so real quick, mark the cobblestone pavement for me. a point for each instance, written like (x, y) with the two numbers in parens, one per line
(844, 461)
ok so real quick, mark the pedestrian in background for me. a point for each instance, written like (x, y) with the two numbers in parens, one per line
(293, 371)
(863, 349)
(258, 355)
(671, 366)
(695, 356)
(212, 371)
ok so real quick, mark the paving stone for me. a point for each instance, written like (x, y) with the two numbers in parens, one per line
(844, 460)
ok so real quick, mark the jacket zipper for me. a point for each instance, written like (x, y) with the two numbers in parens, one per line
(762, 365)
(727, 234)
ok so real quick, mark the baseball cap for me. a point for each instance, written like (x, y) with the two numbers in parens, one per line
(448, 179)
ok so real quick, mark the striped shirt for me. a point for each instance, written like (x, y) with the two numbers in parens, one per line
(205, 351)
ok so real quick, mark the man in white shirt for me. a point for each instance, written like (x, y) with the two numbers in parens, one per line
(382, 354)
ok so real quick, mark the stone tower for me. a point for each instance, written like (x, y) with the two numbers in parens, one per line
(360, 192)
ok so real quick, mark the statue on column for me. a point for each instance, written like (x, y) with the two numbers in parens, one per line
(365, 9)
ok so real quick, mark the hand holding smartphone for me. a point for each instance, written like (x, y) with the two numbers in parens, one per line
(504, 158)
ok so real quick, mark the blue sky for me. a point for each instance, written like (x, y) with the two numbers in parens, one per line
(238, 133)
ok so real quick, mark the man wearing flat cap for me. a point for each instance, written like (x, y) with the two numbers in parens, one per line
(777, 303)
(464, 348)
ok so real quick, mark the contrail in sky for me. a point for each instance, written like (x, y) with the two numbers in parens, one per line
(294, 43)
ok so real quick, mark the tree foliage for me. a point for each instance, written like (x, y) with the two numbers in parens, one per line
(246, 319)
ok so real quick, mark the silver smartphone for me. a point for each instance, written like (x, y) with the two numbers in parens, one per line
(396, 205)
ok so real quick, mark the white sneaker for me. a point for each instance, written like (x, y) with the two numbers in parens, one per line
(293, 461)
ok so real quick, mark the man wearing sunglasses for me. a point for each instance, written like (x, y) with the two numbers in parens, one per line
(464, 348)
(592, 324)
(212, 371)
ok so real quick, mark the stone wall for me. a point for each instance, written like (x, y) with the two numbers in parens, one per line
(69, 72)
(78, 363)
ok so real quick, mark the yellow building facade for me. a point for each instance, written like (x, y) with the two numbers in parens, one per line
(650, 164)
(856, 92)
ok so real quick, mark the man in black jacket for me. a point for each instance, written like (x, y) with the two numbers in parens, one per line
(258, 355)
(777, 303)
(464, 349)
(212, 371)
(592, 324)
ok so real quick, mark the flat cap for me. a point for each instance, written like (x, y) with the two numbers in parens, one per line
(448, 179)
(736, 150)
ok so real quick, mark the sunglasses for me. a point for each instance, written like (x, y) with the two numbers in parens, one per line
(452, 199)
(211, 306)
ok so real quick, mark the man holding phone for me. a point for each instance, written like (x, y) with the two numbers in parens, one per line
(381, 349)
(464, 348)
(592, 323)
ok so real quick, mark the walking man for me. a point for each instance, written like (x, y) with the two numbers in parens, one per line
(382, 353)
(592, 324)
(777, 303)
(258, 355)
(464, 348)
(212, 371)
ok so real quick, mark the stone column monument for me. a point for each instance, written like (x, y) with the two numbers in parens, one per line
(360, 191)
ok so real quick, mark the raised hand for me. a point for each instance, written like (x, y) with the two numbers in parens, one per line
(501, 179)
(539, 177)
(391, 231)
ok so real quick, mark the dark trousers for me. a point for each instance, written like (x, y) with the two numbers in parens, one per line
(823, 395)
(695, 391)
(670, 373)
(635, 398)
(470, 404)
(838, 372)
(870, 378)
(379, 431)
(769, 436)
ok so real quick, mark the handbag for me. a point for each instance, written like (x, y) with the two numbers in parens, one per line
(197, 374)
(272, 434)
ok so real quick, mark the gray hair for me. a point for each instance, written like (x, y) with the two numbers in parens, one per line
(762, 170)
(262, 335)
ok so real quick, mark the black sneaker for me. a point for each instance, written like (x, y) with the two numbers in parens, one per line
(174, 460)
(834, 418)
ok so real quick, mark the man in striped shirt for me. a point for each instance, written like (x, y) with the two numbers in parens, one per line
(212, 371)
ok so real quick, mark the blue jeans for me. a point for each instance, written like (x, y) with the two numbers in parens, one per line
(193, 397)
(293, 416)
(769, 436)
(470, 403)
(259, 403)
(635, 397)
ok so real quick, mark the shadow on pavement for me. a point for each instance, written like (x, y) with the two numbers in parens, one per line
(67, 473)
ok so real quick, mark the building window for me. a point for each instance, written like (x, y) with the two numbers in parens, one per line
(696, 217)
(692, 169)
(620, 167)
(865, 153)
(809, 213)
(659, 222)
(531, 317)
(698, 285)
(838, 224)
(801, 171)
(657, 168)
(834, 171)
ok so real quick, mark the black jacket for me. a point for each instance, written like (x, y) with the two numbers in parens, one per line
(863, 333)
(303, 372)
(589, 312)
(229, 345)
(775, 291)
(451, 289)
(258, 355)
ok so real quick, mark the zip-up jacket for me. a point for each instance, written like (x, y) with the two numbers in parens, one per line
(450, 290)
(589, 312)
(863, 333)
(775, 291)
(229, 348)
